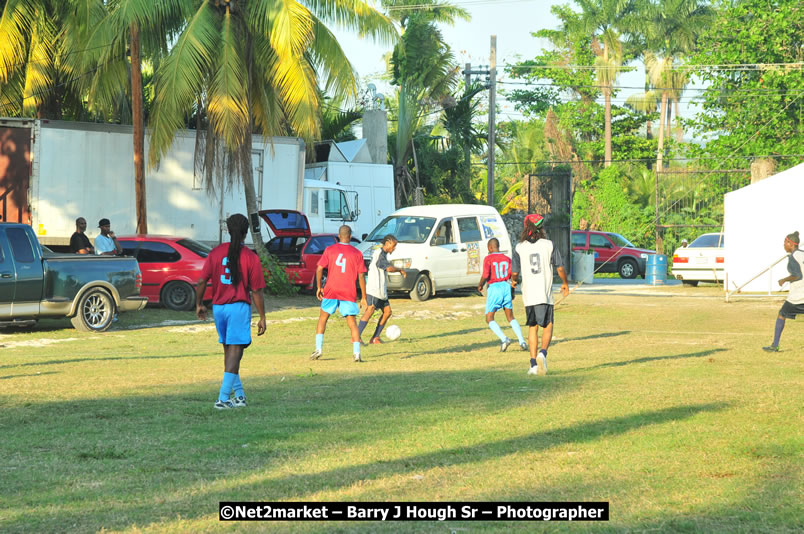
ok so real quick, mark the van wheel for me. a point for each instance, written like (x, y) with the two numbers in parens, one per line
(178, 296)
(96, 311)
(422, 289)
(628, 269)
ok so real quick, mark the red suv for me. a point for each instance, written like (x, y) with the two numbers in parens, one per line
(613, 252)
(170, 267)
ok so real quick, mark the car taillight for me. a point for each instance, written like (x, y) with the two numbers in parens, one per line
(719, 260)
(680, 259)
(138, 282)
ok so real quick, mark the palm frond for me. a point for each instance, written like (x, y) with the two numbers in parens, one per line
(16, 25)
(356, 15)
(228, 96)
(331, 62)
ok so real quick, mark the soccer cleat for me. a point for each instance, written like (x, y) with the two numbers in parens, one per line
(224, 405)
(524, 346)
(534, 370)
(771, 348)
(239, 402)
(375, 341)
(317, 353)
(504, 345)
(363, 343)
(357, 358)
(541, 361)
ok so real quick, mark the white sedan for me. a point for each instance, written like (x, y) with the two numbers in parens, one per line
(701, 261)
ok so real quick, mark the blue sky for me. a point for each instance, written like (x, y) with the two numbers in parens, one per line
(512, 21)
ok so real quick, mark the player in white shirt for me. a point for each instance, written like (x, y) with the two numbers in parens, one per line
(794, 305)
(534, 258)
(376, 287)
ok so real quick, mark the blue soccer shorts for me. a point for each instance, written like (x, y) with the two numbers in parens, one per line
(498, 296)
(233, 322)
(346, 307)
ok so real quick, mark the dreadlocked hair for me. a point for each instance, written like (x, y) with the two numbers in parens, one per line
(531, 233)
(237, 225)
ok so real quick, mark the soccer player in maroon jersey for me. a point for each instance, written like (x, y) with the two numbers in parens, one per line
(497, 271)
(344, 264)
(236, 276)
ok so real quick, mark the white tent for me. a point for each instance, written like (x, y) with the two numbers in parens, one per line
(756, 220)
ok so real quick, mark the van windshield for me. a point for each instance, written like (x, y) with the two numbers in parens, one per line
(406, 228)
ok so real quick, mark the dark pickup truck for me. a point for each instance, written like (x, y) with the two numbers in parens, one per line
(35, 283)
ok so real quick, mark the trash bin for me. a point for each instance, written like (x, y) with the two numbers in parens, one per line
(583, 265)
(656, 269)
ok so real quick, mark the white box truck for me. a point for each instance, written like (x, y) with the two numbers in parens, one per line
(52, 172)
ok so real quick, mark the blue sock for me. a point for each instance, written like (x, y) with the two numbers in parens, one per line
(777, 333)
(378, 331)
(543, 351)
(361, 326)
(497, 330)
(237, 387)
(356, 347)
(533, 362)
(319, 341)
(518, 331)
(226, 386)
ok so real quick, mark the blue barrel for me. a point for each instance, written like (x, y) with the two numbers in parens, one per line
(656, 269)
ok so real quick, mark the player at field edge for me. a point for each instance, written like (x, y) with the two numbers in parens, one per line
(345, 267)
(534, 258)
(500, 293)
(794, 304)
(237, 278)
(376, 287)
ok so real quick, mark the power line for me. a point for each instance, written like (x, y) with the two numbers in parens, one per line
(453, 4)
(633, 160)
(570, 86)
(721, 67)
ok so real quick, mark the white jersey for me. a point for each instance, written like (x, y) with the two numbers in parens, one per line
(795, 265)
(535, 262)
(375, 279)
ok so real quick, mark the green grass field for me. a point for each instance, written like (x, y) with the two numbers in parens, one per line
(665, 407)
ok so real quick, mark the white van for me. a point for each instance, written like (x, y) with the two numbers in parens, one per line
(440, 246)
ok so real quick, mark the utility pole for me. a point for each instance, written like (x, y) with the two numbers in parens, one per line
(467, 76)
(492, 117)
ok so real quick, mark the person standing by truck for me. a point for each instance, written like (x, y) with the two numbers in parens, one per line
(106, 243)
(79, 242)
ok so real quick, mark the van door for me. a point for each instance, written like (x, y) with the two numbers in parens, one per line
(448, 261)
(472, 249)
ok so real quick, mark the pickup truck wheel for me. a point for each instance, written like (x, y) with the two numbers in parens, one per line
(96, 311)
(178, 296)
(628, 269)
(422, 289)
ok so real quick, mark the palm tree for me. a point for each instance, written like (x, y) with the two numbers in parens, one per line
(424, 69)
(253, 65)
(670, 31)
(600, 18)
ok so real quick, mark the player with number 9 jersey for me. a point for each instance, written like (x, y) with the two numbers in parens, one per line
(344, 263)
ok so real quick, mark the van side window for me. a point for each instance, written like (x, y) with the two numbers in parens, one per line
(469, 229)
(20, 245)
(444, 235)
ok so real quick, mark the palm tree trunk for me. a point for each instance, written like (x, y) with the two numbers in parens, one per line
(245, 157)
(680, 129)
(607, 127)
(660, 148)
(139, 131)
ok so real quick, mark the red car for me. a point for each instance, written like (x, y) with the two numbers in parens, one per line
(613, 253)
(297, 249)
(170, 267)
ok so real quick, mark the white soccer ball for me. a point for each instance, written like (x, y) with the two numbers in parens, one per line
(393, 332)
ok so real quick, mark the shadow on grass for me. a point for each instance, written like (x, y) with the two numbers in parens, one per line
(491, 344)
(649, 359)
(32, 374)
(591, 336)
(106, 359)
(453, 333)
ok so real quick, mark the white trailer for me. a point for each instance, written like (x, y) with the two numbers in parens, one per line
(52, 172)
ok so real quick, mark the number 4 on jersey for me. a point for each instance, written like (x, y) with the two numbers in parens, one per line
(341, 262)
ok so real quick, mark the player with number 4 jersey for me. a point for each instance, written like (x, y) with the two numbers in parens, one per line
(534, 258)
(345, 268)
(500, 294)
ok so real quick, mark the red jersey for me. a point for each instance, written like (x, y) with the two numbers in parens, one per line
(215, 269)
(497, 268)
(344, 263)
